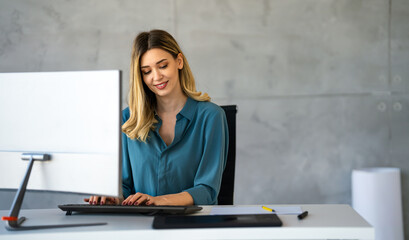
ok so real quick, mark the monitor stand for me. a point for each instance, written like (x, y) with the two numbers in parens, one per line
(13, 222)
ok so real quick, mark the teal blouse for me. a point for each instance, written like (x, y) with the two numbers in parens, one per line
(193, 162)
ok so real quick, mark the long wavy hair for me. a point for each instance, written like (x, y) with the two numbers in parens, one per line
(142, 101)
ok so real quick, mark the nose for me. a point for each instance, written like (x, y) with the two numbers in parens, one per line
(157, 75)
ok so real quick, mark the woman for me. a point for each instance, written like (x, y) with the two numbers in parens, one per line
(174, 140)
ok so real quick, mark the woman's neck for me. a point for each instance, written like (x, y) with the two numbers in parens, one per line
(171, 105)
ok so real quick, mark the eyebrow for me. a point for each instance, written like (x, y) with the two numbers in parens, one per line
(156, 63)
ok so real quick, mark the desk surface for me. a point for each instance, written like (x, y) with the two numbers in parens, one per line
(329, 221)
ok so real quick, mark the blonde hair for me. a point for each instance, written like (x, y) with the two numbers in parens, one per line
(142, 101)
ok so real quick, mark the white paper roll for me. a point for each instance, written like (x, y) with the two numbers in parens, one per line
(376, 196)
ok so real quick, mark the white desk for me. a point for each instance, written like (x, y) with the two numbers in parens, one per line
(323, 222)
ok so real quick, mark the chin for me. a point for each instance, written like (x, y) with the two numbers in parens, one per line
(162, 94)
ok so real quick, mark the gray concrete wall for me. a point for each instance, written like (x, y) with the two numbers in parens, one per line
(322, 86)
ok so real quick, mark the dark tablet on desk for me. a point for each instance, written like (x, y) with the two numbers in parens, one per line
(217, 221)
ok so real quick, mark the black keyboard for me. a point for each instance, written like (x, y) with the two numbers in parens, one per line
(124, 209)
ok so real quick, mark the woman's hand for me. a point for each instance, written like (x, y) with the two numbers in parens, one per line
(140, 199)
(100, 200)
(183, 199)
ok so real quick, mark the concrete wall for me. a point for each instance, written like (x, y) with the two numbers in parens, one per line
(322, 86)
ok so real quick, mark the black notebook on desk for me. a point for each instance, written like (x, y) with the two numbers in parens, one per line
(217, 221)
(124, 209)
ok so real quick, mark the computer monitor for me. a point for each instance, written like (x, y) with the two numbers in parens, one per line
(72, 117)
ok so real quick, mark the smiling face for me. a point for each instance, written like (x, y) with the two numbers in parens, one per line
(160, 72)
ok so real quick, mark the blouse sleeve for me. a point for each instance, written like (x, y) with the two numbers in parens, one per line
(210, 170)
(127, 180)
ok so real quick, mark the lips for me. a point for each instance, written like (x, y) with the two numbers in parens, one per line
(161, 85)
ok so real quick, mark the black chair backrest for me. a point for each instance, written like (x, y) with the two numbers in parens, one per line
(227, 187)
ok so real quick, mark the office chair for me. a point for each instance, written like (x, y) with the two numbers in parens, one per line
(227, 187)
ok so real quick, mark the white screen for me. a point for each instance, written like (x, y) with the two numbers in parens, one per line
(74, 117)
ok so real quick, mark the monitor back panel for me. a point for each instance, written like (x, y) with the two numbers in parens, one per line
(74, 117)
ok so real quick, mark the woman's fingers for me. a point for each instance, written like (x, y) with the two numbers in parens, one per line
(142, 199)
(95, 200)
(134, 199)
(137, 199)
(126, 201)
